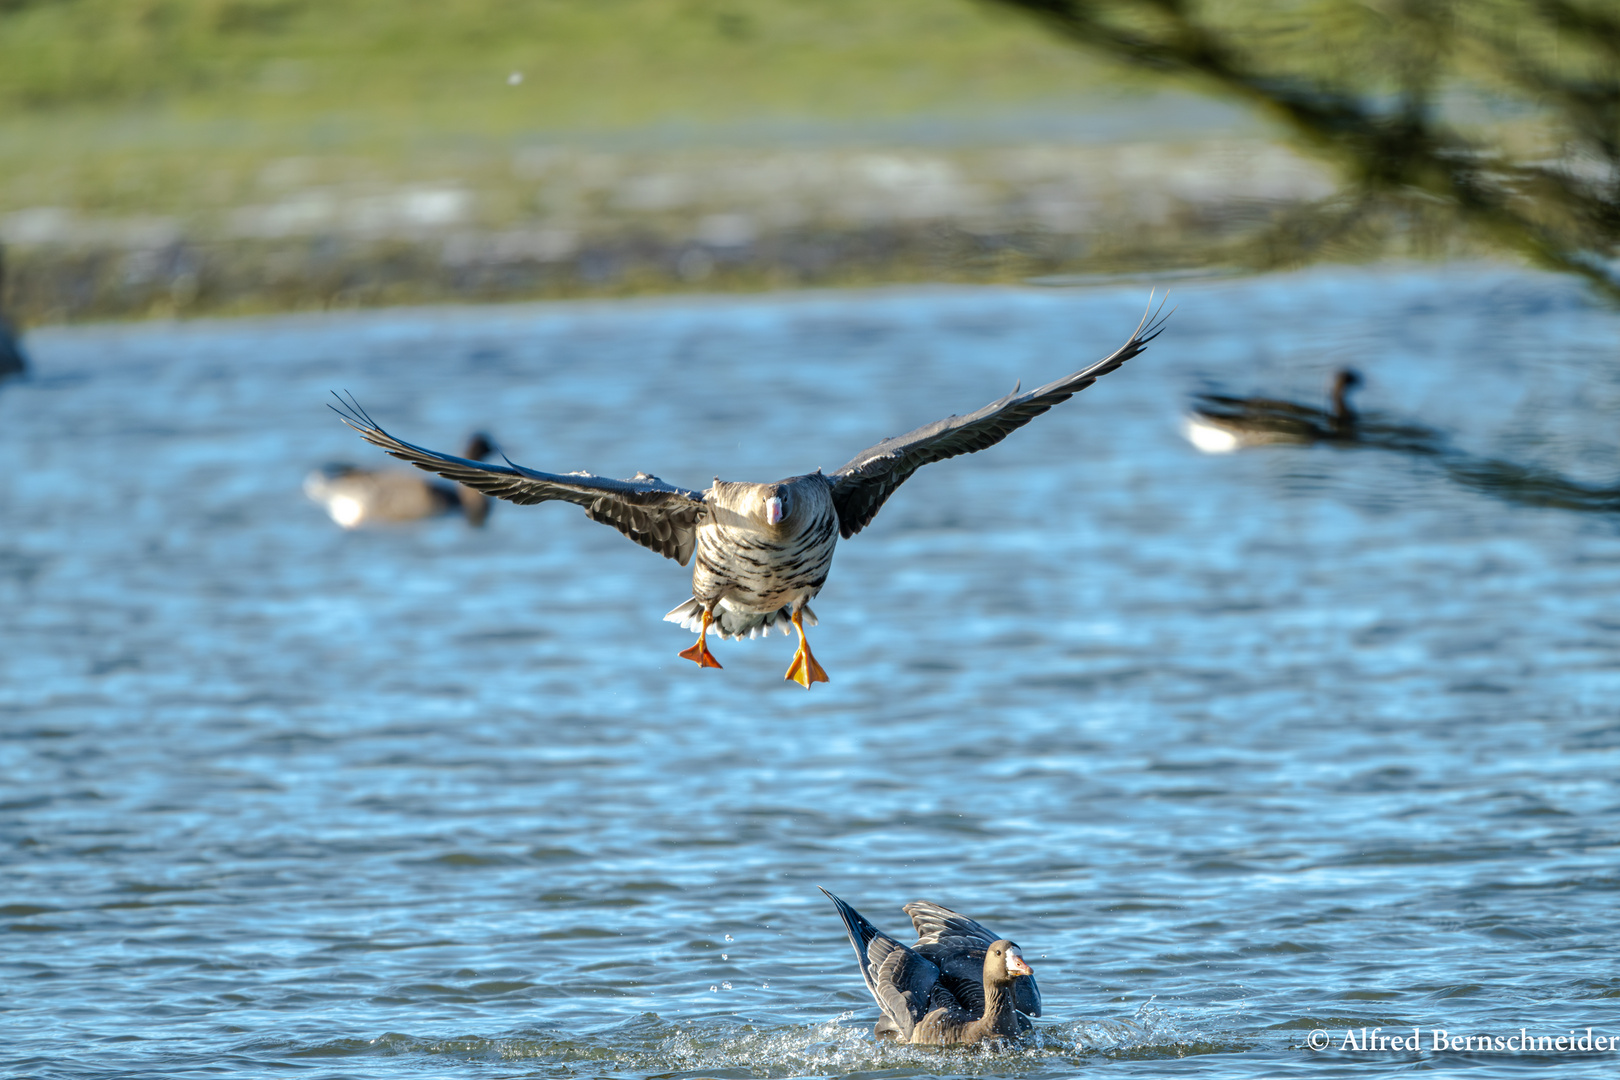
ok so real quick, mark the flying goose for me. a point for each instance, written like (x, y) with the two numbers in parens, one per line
(959, 984)
(762, 550)
(355, 497)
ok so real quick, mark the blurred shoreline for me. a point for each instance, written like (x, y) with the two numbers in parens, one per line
(200, 158)
(562, 221)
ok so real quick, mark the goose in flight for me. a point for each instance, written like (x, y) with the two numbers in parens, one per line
(762, 551)
(959, 984)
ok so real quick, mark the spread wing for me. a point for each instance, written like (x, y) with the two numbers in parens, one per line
(956, 944)
(654, 514)
(862, 486)
(904, 983)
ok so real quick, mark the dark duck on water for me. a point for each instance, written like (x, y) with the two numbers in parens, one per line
(762, 551)
(1219, 423)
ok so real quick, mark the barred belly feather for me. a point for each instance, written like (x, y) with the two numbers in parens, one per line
(754, 575)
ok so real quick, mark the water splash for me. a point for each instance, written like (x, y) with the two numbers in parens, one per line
(651, 1045)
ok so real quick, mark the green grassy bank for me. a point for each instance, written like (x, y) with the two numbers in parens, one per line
(588, 64)
(146, 104)
(180, 156)
(135, 135)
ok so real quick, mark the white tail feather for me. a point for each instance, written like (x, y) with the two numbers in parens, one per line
(731, 623)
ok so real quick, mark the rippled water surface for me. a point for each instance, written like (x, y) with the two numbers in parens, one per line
(1236, 748)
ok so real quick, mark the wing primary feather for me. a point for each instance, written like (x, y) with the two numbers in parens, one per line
(654, 514)
(899, 979)
(866, 481)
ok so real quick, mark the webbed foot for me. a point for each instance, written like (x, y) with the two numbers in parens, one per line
(699, 653)
(804, 670)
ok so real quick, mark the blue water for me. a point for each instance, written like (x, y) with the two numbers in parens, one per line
(1236, 748)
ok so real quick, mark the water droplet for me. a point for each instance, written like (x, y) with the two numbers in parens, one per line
(728, 937)
(723, 956)
(726, 985)
(714, 989)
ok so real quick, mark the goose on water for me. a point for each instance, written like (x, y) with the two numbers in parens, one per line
(959, 983)
(762, 550)
(355, 497)
(1219, 424)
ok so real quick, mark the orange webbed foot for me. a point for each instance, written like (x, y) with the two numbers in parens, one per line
(699, 653)
(804, 670)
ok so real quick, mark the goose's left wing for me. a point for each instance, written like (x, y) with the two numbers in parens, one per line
(654, 514)
(862, 486)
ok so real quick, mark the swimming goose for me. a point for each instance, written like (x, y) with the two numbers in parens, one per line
(356, 496)
(11, 354)
(1218, 424)
(959, 984)
(762, 550)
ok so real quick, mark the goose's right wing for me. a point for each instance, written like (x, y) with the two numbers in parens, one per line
(654, 514)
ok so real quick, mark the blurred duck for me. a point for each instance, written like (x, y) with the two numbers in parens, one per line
(1218, 424)
(11, 355)
(356, 497)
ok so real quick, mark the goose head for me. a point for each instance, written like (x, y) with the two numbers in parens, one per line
(776, 503)
(1004, 962)
(1344, 381)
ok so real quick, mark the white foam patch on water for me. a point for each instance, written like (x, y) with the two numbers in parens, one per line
(1149, 1032)
(650, 1045)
